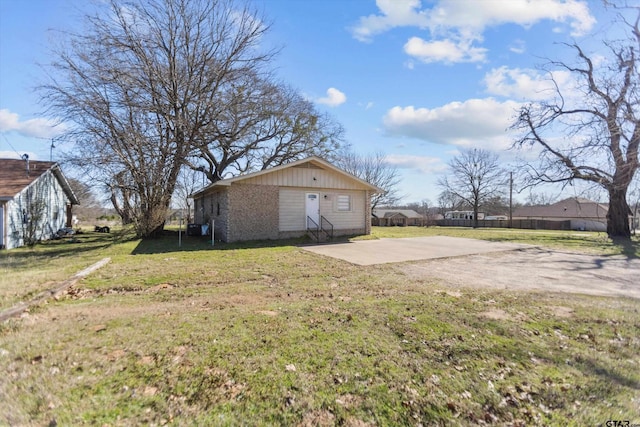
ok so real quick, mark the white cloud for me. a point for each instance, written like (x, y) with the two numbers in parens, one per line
(9, 155)
(455, 25)
(477, 15)
(475, 122)
(14, 155)
(526, 84)
(39, 128)
(448, 51)
(367, 105)
(334, 98)
(395, 13)
(423, 164)
(473, 15)
(518, 46)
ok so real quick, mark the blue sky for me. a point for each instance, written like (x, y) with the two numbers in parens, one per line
(416, 80)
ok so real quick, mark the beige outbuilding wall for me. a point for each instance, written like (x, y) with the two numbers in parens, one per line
(272, 204)
(307, 176)
(293, 210)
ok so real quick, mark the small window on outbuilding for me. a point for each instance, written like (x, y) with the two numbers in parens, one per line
(343, 203)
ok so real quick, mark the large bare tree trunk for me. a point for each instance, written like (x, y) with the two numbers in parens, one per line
(618, 215)
(151, 83)
(592, 134)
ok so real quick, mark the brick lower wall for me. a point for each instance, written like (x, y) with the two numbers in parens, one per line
(214, 206)
(367, 212)
(253, 212)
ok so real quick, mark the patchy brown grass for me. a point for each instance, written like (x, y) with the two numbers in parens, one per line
(269, 334)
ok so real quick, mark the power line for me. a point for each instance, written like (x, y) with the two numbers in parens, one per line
(10, 145)
(51, 146)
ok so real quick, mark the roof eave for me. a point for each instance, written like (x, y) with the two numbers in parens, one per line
(65, 184)
(229, 181)
(211, 187)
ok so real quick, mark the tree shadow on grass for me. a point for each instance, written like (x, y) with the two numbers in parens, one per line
(628, 247)
(170, 241)
(24, 257)
(592, 367)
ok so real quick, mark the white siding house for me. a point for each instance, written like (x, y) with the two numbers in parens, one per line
(287, 201)
(35, 201)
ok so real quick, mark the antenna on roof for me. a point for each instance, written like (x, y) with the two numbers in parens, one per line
(25, 157)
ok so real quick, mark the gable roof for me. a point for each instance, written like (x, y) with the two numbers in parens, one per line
(312, 160)
(14, 177)
(389, 213)
(573, 207)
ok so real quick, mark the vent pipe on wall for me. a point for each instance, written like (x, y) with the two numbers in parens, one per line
(25, 157)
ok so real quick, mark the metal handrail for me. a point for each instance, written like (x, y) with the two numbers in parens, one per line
(324, 220)
(314, 224)
(314, 228)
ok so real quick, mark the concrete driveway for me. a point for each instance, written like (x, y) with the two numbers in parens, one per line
(458, 262)
(370, 252)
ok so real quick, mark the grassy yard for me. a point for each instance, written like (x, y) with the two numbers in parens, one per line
(269, 334)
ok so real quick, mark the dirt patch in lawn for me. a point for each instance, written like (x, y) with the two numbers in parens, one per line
(535, 269)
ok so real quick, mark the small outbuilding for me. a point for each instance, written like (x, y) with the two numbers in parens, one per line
(35, 201)
(308, 196)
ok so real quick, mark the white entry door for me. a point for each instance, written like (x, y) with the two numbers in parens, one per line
(312, 208)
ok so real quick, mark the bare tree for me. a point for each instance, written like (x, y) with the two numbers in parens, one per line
(90, 206)
(33, 213)
(448, 201)
(374, 169)
(145, 86)
(189, 181)
(600, 123)
(425, 209)
(264, 124)
(475, 177)
(496, 205)
(539, 198)
(635, 207)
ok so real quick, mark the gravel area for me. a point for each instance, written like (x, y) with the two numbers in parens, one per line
(536, 269)
(469, 262)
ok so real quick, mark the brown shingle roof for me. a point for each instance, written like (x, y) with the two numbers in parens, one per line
(574, 207)
(14, 177)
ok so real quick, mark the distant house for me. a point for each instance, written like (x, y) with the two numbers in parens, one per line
(396, 217)
(35, 201)
(305, 196)
(584, 214)
(462, 215)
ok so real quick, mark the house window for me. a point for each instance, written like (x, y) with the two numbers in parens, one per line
(343, 203)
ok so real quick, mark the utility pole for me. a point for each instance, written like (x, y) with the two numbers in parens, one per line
(510, 199)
